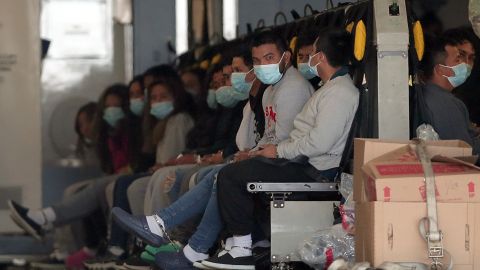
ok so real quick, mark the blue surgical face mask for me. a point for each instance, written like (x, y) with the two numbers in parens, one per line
(240, 86)
(112, 115)
(211, 99)
(269, 74)
(313, 69)
(305, 70)
(161, 109)
(461, 73)
(225, 97)
(137, 105)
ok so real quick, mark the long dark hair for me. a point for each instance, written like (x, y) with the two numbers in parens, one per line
(89, 109)
(103, 131)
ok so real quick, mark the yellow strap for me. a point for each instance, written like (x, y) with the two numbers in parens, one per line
(418, 40)
(360, 40)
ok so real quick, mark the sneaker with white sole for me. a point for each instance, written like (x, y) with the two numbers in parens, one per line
(19, 215)
(227, 261)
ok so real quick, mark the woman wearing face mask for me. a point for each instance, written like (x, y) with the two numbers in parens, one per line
(112, 125)
(137, 96)
(113, 145)
(168, 120)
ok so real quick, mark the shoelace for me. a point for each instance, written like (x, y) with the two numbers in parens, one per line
(157, 219)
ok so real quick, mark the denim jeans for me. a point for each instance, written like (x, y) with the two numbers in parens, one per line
(202, 199)
(180, 177)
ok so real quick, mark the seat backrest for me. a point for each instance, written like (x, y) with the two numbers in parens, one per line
(420, 114)
(348, 150)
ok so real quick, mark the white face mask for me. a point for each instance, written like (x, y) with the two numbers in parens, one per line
(269, 74)
(461, 72)
(313, 69)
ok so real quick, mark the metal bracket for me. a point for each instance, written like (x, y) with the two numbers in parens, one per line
(382, 54)
(279, 199)
(281, 263)
(254, 187)
(281, 266)
(435, 249)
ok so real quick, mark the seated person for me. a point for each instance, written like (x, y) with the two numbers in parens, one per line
(442, 69)
(320, 133)
(467, 43)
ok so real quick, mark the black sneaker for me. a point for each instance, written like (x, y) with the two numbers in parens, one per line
(228, 262)
(18, 214)
(261, 256)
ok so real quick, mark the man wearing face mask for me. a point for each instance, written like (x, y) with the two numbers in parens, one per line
(442, 69)
(287, 92)
(467, 44)
(304, 49)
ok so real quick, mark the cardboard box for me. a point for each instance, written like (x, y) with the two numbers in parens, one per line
(398, 177)
(382, 234)
(366, 150)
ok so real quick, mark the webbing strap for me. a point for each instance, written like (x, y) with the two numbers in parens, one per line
(433, 236)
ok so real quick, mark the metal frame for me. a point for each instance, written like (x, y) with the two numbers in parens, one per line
(392, 40)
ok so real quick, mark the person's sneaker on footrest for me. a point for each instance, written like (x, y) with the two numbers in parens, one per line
(227, 261)
(19, 215)
(140, 227)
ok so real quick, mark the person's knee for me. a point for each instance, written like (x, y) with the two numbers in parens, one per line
(226, 176)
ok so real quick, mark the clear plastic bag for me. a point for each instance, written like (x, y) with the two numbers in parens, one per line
(427, 133)
(346, 185)
(347, 209)
(326, 246)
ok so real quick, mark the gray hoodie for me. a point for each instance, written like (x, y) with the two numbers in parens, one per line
(321, 129)
(281, 104)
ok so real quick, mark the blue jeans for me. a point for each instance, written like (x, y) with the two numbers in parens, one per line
(202, 199)
(180, 175)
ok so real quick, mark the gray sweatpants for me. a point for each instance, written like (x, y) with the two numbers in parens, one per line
(83, 203)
